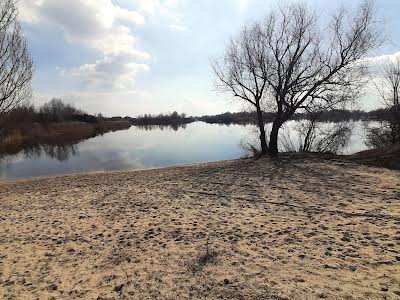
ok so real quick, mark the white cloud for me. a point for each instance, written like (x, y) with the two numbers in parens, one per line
(166, 9)
(110, 72)
(102, 26)
(81, 19)
(98, 25)
(376, 63)
(371, 98)
(154, 6)
(148, 6)
(377, 60)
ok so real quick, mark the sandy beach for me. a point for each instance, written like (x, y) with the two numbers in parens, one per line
(246, 229)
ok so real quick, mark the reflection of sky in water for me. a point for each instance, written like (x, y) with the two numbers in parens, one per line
(137, 148)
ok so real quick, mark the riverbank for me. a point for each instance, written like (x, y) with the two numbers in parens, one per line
(303, 228)
(36, 134)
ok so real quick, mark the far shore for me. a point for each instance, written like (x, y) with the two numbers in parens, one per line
(287, 228)
(62, 133)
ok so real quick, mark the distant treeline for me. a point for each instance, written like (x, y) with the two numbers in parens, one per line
(161, 119)
(326, 116)
(244, 118)
(54, 111)
(53, 123)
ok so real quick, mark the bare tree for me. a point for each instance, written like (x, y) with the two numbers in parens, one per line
(16, 66)
(389, 84)
(303, 65)
(243, 72)
(56, 111)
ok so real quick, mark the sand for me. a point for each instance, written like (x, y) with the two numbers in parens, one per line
(243, 229)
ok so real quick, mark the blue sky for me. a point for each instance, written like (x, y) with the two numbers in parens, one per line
(129, 57)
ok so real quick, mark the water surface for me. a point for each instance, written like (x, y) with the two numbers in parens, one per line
(141, 148)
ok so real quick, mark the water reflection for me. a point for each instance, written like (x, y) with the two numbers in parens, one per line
(174, 127)
(60, 152)
(144, 147)
(137, 148)
(383, 134)
(322, 137)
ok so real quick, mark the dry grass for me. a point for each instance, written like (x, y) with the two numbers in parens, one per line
(282, 229)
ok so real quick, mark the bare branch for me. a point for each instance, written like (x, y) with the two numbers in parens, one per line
(291, 62)
(16, 66)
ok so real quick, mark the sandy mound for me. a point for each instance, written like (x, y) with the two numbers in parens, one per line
(282, 229)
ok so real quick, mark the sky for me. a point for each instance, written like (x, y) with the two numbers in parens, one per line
(130, 57)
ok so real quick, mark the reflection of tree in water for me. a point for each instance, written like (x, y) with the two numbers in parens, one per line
(174, 127)
(386, 134)
(32, 151)
(308, 136)
(321, 137)
(61, 152)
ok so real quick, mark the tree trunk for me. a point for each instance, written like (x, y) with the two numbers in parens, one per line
(273, 140)
(263, 141)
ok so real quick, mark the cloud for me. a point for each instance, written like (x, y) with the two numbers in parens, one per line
(377, 63)
(381, 59)
(148, 6)
(371, 98)
(109, 72)
(154, 6)
(166, 9)
(98, 25)
(92, 23)
(106, 28)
